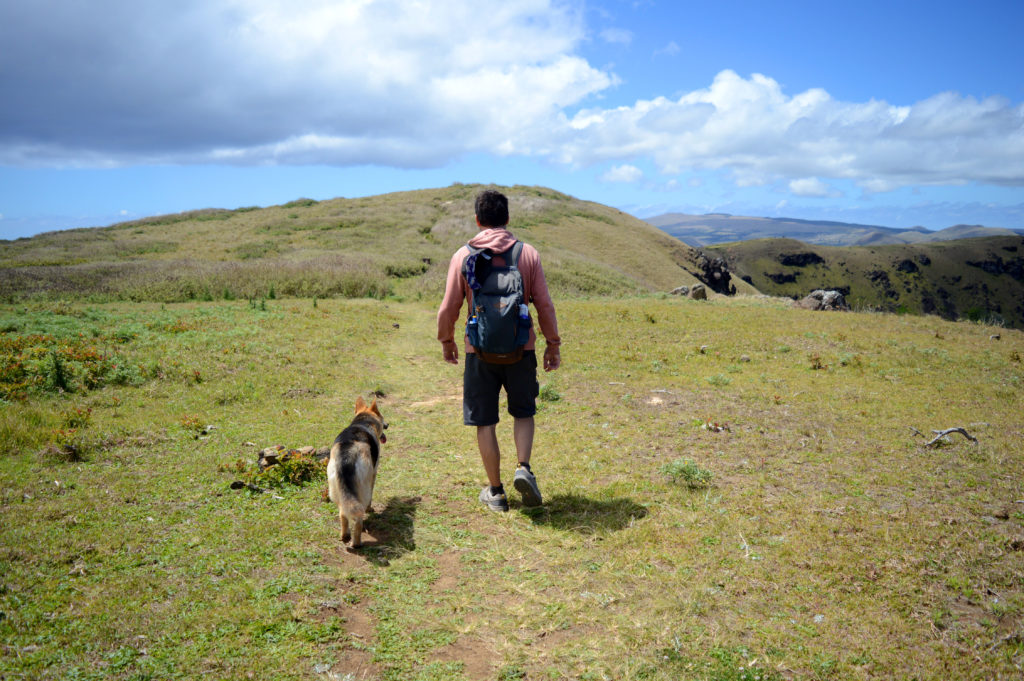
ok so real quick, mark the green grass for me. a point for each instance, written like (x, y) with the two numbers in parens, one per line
(822, 541)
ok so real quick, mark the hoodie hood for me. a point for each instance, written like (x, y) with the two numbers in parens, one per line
(494, 239)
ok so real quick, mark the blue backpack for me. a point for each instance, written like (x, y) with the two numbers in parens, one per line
(499, 319)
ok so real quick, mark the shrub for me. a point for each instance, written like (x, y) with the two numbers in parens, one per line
(296, 469)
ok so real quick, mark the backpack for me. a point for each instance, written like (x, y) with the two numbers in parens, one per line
(499, 320)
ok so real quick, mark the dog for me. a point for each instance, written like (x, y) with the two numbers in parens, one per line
(352, 469)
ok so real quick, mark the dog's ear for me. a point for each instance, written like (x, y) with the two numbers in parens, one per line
(360, 404)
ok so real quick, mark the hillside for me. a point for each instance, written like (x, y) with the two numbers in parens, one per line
(394, 244)
(717, 228)
(980, 279)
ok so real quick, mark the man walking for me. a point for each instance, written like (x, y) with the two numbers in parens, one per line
(483, 380)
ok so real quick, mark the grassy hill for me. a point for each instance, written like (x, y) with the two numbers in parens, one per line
(967, 278)
(810, 534)
(394, 244)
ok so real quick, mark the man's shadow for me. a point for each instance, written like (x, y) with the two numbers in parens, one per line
(586, 516)
(392, 530)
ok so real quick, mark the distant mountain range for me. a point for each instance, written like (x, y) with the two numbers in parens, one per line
(718, 228)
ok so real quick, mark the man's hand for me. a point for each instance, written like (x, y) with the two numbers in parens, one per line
(450, 351)
(552, 358)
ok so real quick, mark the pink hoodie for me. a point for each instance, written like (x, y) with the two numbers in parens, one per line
(535, 287)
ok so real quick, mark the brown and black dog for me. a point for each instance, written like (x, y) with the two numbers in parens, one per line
(352, 468)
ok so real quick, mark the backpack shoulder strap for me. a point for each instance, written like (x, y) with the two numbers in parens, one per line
(511, 256)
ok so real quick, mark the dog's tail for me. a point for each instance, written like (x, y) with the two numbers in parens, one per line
(339, 478)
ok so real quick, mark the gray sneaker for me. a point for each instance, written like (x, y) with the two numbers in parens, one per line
(526, 484)
(495, 502)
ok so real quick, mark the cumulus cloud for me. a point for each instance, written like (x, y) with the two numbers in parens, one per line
(624, 173)
(292, 81)
(387, 82)
(760, 134)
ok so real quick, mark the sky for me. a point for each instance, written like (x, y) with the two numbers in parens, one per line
(899, 113)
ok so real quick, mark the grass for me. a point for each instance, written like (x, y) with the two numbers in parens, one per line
(822, 541)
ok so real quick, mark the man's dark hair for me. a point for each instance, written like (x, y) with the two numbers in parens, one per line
(491, 208)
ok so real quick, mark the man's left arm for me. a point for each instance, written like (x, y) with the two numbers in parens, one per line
(546, 319)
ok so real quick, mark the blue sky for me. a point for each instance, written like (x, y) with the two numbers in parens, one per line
(897, 113)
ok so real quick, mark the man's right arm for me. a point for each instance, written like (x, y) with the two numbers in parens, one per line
(451, 305)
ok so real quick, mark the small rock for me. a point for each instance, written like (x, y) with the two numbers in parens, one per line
(680, 291)
(698, 292)
(267, 460)
(744, 358)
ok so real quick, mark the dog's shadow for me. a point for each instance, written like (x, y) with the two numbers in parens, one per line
(587, 516)
(392, 530)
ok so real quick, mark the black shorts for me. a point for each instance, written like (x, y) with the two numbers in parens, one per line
(481, 383)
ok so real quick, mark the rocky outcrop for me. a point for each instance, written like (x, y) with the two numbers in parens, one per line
(714, 272)
(823, 301)
(800, 259)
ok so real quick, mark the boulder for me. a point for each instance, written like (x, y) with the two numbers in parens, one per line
(698, 292)
(714, 272)
(823, 300)
(681, 291)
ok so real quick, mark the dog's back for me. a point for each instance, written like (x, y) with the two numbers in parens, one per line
(352, 471)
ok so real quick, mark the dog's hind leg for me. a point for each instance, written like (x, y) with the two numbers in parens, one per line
(357, 533)
(345, 536)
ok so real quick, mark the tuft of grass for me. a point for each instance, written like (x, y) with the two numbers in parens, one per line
(548, 393)
(688, 473)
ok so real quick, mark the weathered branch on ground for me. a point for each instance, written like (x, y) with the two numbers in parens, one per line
(939, 434)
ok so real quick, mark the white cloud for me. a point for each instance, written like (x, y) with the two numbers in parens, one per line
(625, 173)
(750, 127)
(286, 81)
(670, 50)
(419, 84)
(617, 36)
(812, 187)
